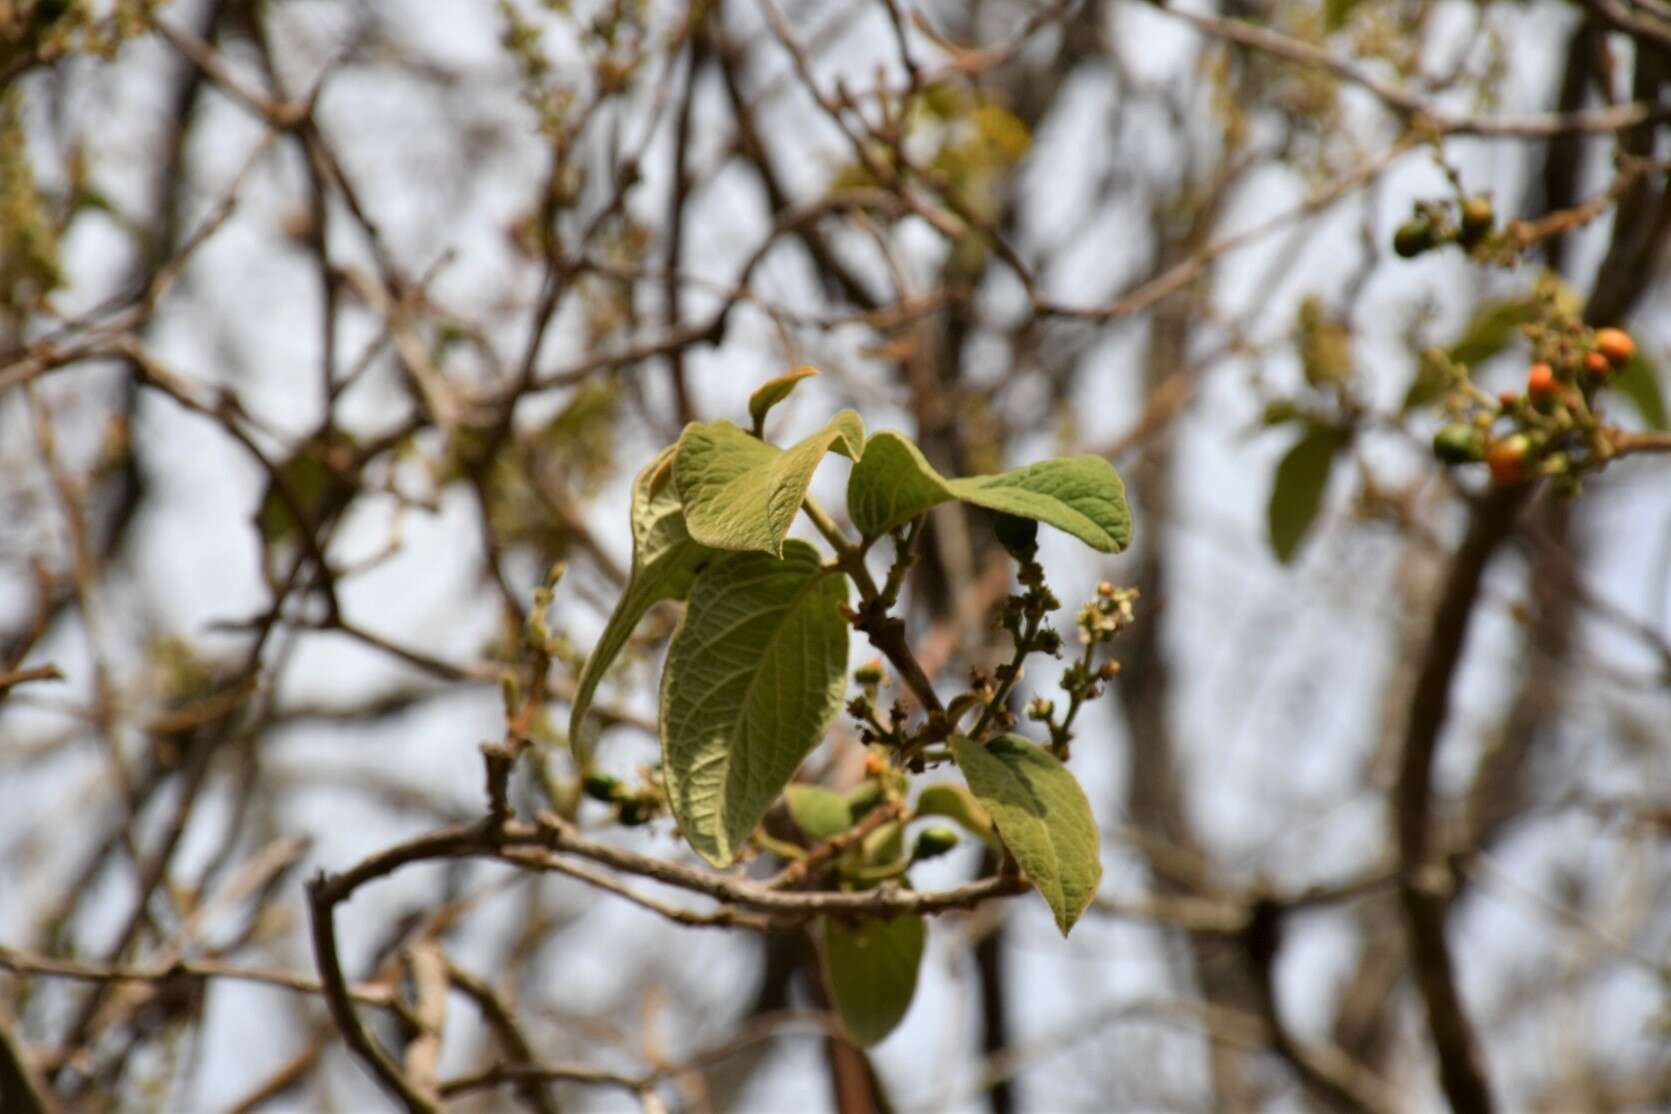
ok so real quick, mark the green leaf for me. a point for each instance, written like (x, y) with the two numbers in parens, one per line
(754, 675)
(820, 813)
(319, 490)
(1336, 13)
(664, 564)
(883, 847)
(1493, 328)
(1042, 816)
(1297, 494)
(954, 802)
(1280, 411)
(871, 969)
(1431, 383)
(774, 391)
(1639, 381)
(740, 493)
(863, 797)
(893, 483)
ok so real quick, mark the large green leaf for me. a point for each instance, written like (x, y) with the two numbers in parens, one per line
(754, 675)
(1297, 493)
(1042, 817)
(664, 564)
(871, 969)
(1082, 495)
(739, 492)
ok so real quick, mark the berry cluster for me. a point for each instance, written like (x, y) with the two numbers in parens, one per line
(1552, 428)
(1470, 223)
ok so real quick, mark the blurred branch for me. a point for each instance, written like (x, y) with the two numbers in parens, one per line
(1423, 885)
(15, 677)
(22, 1089)
(26, 963)
(1422, 115)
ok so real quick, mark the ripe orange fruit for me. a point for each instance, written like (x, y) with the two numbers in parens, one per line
(1540, 382)
(1507, 458)
(1616, 345)
(1597, 364)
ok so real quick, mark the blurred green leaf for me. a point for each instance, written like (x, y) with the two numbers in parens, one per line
(1280, 411)
(1297, 493)
(314, 482)
(820, 813)
(954, 802)
(1639, 382)
(1432, 381)
(1492, 329)
(1337, 12)
(871, 968)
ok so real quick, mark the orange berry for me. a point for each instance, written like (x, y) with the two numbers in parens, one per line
(1596, 363)
(1507, 398)
(1615, 345)
(1540, 382)
(1507, 458)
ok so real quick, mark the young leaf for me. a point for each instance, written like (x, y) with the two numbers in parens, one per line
(893, 483)
(871, 969)
(1297, 493)
(956, 803)
(884, 847)
(774, 391)
(820, 813)
(739, 492)
(754, 675)
(664, 563)
(1042, 816)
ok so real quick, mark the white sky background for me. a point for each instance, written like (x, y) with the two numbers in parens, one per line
(1279, 700)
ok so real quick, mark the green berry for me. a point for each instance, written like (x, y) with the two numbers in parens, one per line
(1458, 444)
(1413, 237)
(601, 786)
(1018, 535)
(1478, 217)
(934, 842)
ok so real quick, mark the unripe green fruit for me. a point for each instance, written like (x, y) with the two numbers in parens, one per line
(1458, 444)
(1478, 217)
(1413, 237)
(1018, 535)
(934, 842)
(601, 786)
